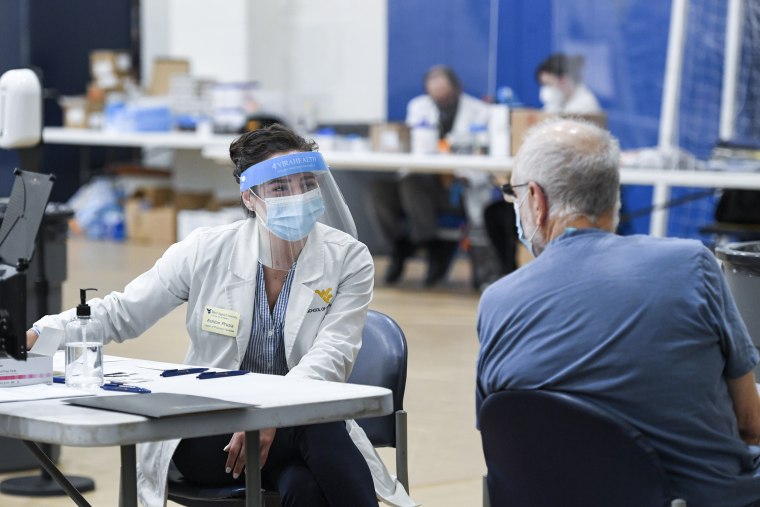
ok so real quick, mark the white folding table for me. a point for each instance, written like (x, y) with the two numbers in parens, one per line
(280, 402)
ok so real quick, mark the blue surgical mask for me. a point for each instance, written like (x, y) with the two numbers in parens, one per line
(527, 242)
(293, 217)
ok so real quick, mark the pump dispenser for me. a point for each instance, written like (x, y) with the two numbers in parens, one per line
(84, 348)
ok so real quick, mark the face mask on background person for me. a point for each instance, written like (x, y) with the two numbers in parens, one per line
(293, 217)
(527, 242)
(551, 97)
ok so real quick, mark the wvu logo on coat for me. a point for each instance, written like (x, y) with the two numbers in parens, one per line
(325, 294)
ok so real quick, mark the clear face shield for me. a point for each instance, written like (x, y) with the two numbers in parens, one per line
(290, 194)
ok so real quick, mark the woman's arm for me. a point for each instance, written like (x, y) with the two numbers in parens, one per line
(144, 300)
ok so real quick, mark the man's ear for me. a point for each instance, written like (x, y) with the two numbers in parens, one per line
(538, 204)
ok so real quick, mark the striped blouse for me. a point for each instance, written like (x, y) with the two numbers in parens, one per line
(266, 348)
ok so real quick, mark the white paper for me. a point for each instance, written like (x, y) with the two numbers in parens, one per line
(40, 392)
(48, 342)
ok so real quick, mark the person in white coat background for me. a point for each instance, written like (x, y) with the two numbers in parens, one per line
(294, 283)
(408, 208)
(562, 91)
(562, 88)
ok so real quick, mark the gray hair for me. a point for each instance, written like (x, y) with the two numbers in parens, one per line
(576, 164)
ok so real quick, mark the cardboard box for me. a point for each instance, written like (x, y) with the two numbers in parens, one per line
(37, 369)
(192, 200)
(80, 112)
(74, 111)
(390, 137)
(150, 224)
(521, 120)
(154, 197)
(163, 70)
(108, 67)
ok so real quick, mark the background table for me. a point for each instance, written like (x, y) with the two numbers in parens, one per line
(193, 173)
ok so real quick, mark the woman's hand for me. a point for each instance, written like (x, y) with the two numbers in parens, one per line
(31, 337)
(236, 450)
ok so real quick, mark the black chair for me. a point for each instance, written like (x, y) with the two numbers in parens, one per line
(546, 448)
(381, 362)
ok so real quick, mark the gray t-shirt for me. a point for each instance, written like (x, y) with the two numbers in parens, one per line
(647, 329)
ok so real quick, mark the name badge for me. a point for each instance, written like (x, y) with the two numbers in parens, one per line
(220, 321)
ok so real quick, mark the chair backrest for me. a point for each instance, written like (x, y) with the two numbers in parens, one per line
(546, 448)
(382, 362)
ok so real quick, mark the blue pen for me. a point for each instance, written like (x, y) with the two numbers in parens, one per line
(216, 374)
(124, 389)
(187, 371)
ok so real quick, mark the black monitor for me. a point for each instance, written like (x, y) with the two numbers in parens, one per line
(22, 219)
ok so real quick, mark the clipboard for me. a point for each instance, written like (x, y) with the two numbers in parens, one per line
(157, 404)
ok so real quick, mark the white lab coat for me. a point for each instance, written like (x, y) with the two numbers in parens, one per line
(582, 101)
(470, 111)
(218, 267)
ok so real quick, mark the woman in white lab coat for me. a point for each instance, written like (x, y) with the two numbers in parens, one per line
(562, 89)
(293, 285)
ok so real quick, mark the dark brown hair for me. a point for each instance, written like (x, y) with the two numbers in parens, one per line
(258, 145)
(447, 72)
(559, 64)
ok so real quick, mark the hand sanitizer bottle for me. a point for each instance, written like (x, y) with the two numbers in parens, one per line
(84, 348)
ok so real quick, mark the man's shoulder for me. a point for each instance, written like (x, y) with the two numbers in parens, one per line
(420, 100)
(657, 258)
(665, 246)
(473, 102)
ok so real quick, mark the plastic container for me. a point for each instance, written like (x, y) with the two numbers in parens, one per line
(741, 267)
(84, 348)
(480, 138)
(424, 139)
(498, 130)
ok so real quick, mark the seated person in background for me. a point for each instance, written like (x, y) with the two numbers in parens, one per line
(408, 208)
(265, 269)
(562, 89)
(644, 327)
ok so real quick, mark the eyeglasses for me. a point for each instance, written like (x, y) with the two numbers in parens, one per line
(509, 191)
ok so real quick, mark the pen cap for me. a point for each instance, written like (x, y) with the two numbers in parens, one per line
(83, 309)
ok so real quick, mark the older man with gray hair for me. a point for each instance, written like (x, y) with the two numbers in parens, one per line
(644, 327)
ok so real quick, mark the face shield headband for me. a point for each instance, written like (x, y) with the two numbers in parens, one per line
(277, 167)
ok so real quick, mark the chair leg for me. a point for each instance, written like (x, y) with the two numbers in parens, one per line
(486, 497)
(402, 457)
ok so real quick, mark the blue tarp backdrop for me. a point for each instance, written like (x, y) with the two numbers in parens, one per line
(625, 46)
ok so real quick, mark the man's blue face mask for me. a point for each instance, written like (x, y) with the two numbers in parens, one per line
(293, 217)
(527, 242)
